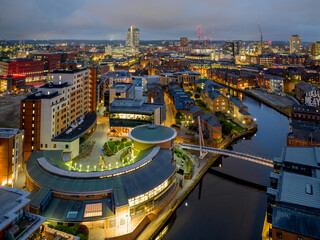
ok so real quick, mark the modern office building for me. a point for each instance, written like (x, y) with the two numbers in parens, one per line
(11, 155)
(59, 113)
(51, 60)
(295, 44)
(15, 221)
(118, 90)
(120, 200)
(232, 48)
(293, 195)
(32, 69)
(125, 114)
(9, 83)
(133, 37)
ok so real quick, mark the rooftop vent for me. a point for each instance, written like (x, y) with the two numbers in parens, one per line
(309, 189)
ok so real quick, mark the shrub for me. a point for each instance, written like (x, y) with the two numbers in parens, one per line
(121, 146)
(124, 139)
(83, 229)
(117, 143)
(50, 225)
(82, 236)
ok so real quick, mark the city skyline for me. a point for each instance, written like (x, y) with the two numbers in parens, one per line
(100, 20)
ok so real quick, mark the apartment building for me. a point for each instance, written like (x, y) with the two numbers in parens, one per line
(56, 116)
(11, 154)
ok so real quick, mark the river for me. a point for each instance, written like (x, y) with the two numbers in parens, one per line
(221, 209)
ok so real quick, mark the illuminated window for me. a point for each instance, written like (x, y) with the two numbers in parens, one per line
(93, 210)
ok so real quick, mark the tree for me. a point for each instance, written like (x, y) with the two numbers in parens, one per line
(178, 118)
(197, 96)
(190, 93)
(199, 90)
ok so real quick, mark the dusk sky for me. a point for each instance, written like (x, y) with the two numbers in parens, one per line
(165, 19)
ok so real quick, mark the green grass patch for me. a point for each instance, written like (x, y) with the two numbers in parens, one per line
(121, 146)
(112, 146)
(181, 154)
(229, 127)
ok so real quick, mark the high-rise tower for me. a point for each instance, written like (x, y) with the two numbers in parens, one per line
(133, 37)
(295, 44)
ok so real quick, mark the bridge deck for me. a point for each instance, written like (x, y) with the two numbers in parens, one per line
(245, 156)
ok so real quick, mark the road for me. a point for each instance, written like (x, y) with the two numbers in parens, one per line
(170, 111)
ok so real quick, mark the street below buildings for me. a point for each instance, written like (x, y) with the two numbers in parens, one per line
(170, 111)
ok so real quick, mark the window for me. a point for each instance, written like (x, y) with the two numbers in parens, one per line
(300, 238)
(54, 145)
(67, 146)
(279, 234)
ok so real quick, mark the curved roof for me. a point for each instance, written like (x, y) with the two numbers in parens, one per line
(99, 174)
(135, 183)
(151, 133)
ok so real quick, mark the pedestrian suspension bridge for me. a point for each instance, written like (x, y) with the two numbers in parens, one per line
(204, 150)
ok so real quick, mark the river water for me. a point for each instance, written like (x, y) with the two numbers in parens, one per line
(222, 209)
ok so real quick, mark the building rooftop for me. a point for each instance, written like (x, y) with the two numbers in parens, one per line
(296, 222)
(136, 182)
(237, 102)
(63, 210)
(194, 109)
(54, 85)
(122, 87)
(69, 71)
(294, 190)
(9, 132)
(76, 131)
(269, 76)
(152, 133)
(243, 112)
(125, 105)
(42, 95)
(308, 156)
(11, 200)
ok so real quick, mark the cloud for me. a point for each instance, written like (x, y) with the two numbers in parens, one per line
(166, 19)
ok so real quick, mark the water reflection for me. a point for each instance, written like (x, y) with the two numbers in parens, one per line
(221, 209)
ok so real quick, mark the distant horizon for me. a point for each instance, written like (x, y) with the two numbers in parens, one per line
(110, 19)
(150, 40)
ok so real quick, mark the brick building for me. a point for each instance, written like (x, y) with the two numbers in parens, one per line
(32, 69)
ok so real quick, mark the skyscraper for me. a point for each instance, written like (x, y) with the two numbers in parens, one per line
(295, 44)
(133, 37)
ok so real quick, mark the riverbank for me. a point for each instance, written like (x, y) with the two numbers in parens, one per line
(151, 231)
(271, 100)
(279, 103)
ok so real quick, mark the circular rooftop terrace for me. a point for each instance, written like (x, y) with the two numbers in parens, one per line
(151, 133)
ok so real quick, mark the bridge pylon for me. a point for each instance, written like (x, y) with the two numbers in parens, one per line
(201, 141)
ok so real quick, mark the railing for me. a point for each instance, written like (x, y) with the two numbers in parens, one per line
(245, 156)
